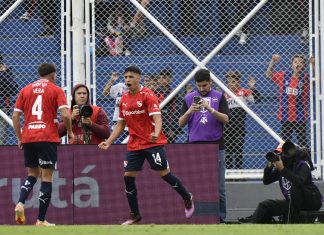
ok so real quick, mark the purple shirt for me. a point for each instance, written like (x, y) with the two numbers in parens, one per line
(202, 125)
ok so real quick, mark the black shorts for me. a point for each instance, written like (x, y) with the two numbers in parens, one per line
(43, 154)
(156, 157)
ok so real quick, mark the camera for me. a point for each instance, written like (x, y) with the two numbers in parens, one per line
(273, 156)
(196, 99)
(85, 110)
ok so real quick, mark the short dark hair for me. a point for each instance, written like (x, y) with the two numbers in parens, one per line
(133, 69)
(202, 75)
(46, 69)
(166, 72)
(233, 74)
(299, 56)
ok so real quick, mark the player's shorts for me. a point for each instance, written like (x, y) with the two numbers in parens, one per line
(43, 154)
(156, 156)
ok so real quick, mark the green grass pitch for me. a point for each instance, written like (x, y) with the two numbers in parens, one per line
(237, 229)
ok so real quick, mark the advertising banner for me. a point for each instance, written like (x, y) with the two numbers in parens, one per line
(89, 186)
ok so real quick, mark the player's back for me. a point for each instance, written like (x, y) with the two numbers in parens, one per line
(40, 101)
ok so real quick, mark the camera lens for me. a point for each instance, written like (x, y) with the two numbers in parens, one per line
(86, 111)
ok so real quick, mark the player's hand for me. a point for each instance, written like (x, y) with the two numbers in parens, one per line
(104, 145)
(154, 137)
(70, 137)
(276, 58)
(20, 146)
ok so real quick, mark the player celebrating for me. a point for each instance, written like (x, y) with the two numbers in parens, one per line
(39, 102)
(139, 109)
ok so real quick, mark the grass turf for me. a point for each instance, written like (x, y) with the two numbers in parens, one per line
(244, 229)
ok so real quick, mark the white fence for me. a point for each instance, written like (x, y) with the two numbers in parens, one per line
(169, 41)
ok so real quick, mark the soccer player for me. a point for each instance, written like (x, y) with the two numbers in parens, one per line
(39, 101)
(139, 109)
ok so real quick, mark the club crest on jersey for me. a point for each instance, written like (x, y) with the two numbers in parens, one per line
(125, 104)
(139, 103)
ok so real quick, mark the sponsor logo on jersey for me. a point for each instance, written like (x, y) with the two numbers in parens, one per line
(36, 125)
(291, 91)
(134, 112)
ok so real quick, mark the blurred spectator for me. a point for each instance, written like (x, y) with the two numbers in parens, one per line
(116, 91)
(113, 18)
(118, 26)
(90, 123)
(235, 129)
(8, 88)
(152, 81)
(171, 111)
(232, 13)
(48, 10)
(29, 6)
(294, 89)
(148, 82)
(137, 25)
(189, 88)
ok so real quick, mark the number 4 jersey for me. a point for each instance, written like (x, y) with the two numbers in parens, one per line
(40, 102)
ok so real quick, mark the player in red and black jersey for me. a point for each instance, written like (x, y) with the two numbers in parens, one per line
(39, 102)
(139, 109)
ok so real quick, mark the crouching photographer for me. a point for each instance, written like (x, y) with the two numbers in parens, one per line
(89, 122)
(292, 168)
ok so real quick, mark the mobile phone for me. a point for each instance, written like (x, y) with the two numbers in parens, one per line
(196, 99)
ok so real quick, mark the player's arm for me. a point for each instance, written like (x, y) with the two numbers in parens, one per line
(66, 117)
(118, 130)
(16, 124)
(157, 119)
